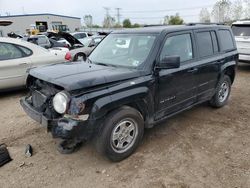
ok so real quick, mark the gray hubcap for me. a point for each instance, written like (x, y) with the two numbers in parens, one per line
(223, 92)
(124, 135)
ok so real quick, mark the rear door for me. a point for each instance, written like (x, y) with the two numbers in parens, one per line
(14, 62)
(209, 63)
(176, 87)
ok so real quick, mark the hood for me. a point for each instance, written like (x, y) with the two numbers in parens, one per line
(72, 40)
(80, 75)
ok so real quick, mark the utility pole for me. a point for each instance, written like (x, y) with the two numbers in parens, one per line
(107, 11)
(118, 15)
(107, 16)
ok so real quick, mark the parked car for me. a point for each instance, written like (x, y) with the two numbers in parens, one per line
(89, 44)
(65, 38)
(121, 91)
(241, 30)
(46, 42)
(80, 35)
(18, 56)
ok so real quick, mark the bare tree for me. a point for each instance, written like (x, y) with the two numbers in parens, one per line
(237, 10)
(205, 16)
(246, 9)
(221, 11)
(88, 20)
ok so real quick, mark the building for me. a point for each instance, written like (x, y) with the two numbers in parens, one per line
(43, 22)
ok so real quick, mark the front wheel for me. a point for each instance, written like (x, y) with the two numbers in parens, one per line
(121, 134)
(222, 93)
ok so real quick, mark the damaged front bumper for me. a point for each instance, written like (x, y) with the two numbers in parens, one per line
(65, 128)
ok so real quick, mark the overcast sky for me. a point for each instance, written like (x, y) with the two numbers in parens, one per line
(140, 11)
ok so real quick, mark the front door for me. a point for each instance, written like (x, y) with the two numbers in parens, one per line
(176, 87)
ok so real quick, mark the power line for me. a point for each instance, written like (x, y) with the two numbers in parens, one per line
(166, 10)
(159, 17)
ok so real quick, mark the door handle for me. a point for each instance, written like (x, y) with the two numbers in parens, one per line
(220, 61)
(192, 70)
(22, 64)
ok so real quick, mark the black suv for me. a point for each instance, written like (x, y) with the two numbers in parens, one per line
(131, 81)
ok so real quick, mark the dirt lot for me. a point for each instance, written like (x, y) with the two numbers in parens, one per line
(203, 147)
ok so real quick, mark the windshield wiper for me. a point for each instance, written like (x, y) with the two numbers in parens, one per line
(104, 64)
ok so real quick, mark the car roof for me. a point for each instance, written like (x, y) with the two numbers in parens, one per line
(21, 42)
(241, 22)
(159, 29)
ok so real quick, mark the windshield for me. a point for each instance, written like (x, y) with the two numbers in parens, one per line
(128, 50)
(241, 30)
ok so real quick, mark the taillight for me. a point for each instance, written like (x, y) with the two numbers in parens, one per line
(68, 56)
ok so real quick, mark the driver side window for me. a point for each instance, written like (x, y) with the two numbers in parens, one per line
(179, 45)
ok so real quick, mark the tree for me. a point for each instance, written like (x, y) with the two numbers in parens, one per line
(246, 9)
(237, 10)
(127, 23)
(205, 16)
(173, 20)
(88, 20)
(221, 11)
(135, 25)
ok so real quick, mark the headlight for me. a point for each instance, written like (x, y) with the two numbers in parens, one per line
(60, 102)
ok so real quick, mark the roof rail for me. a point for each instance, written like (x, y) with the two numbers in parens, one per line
(191, 24)
(154, 25)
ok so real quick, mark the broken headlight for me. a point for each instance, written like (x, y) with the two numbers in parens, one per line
(60, 102)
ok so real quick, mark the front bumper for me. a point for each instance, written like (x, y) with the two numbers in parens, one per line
(64, 128)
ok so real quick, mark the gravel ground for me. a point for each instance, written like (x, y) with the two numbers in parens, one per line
(202, 147)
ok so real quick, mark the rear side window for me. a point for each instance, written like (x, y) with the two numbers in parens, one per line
(215, 41)
(180, 45)
(9, 51)
(226, 40)
(205, 44)
(25, 50)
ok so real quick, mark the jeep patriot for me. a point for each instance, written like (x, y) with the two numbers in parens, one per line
(133, 80)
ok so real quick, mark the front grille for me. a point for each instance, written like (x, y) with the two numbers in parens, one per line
(39, 100)
(41, 95)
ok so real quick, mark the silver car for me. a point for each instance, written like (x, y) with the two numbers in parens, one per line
(17, 56)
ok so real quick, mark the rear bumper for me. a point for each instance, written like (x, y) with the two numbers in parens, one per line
(64, 128)
(244, 57)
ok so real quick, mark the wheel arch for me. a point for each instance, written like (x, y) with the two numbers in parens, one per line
(135, 98)
(79, 53)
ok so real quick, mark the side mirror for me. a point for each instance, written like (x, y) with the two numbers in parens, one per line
(170, 62)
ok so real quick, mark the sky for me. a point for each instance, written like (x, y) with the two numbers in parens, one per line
(138, 11)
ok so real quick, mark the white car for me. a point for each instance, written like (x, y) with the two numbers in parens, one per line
(241, 30)
(80, 36)
(18, 56)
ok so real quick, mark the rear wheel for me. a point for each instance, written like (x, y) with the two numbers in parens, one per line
(121, 134)
(222, 93)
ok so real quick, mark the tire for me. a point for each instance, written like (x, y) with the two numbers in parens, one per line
(78, 56)
(222, 92)
(115, 139)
